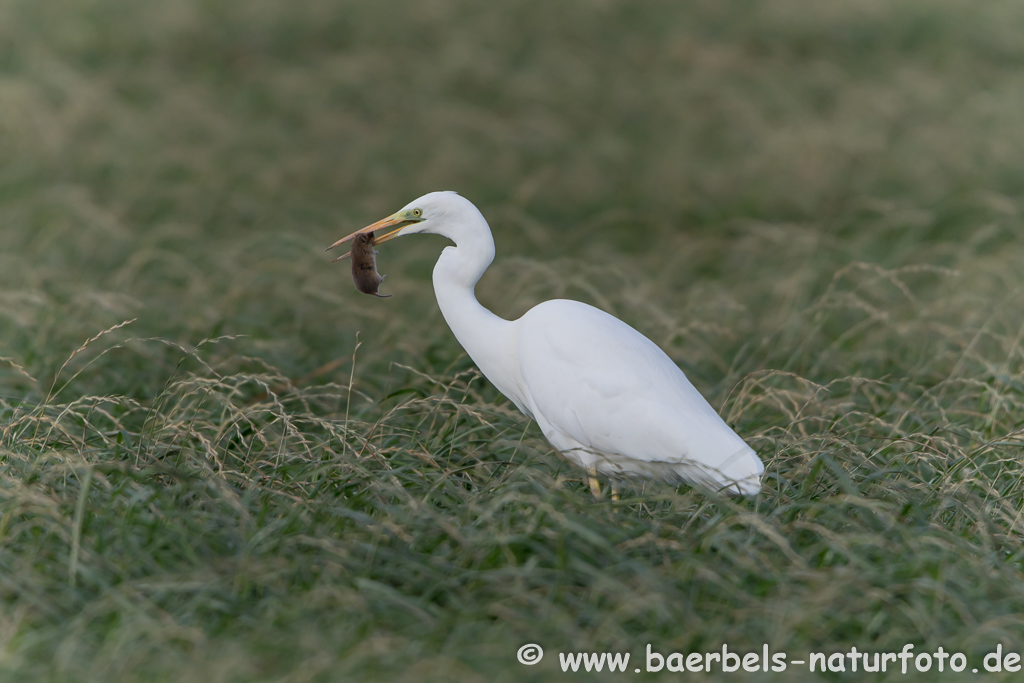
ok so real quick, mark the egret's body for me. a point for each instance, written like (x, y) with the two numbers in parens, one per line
(603, 394)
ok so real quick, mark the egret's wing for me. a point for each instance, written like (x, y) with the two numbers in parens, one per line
(604, 385)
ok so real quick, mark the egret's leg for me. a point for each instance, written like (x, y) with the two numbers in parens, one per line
(615, 491)
(595, 487)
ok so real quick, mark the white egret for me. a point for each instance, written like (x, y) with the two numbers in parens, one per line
(603, 394)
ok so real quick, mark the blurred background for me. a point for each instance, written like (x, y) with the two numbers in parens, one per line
(814, 207)
(702, 167)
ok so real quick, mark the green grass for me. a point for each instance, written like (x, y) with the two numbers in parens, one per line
(815, 208)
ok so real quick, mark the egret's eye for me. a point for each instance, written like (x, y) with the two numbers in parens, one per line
(417, 212)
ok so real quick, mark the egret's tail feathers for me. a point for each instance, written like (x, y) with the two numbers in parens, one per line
(737, 475)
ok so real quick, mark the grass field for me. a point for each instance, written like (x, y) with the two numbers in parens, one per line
(219, 462)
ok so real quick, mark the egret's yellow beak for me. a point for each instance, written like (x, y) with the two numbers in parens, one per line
(390, 222)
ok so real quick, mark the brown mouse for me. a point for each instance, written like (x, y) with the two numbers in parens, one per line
(364, 265)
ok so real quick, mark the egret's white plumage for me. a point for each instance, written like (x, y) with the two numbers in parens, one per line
(603, 394)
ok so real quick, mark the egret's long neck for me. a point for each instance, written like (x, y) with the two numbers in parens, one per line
(487, 338)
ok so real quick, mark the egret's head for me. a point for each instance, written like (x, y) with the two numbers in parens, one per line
(419, 215)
